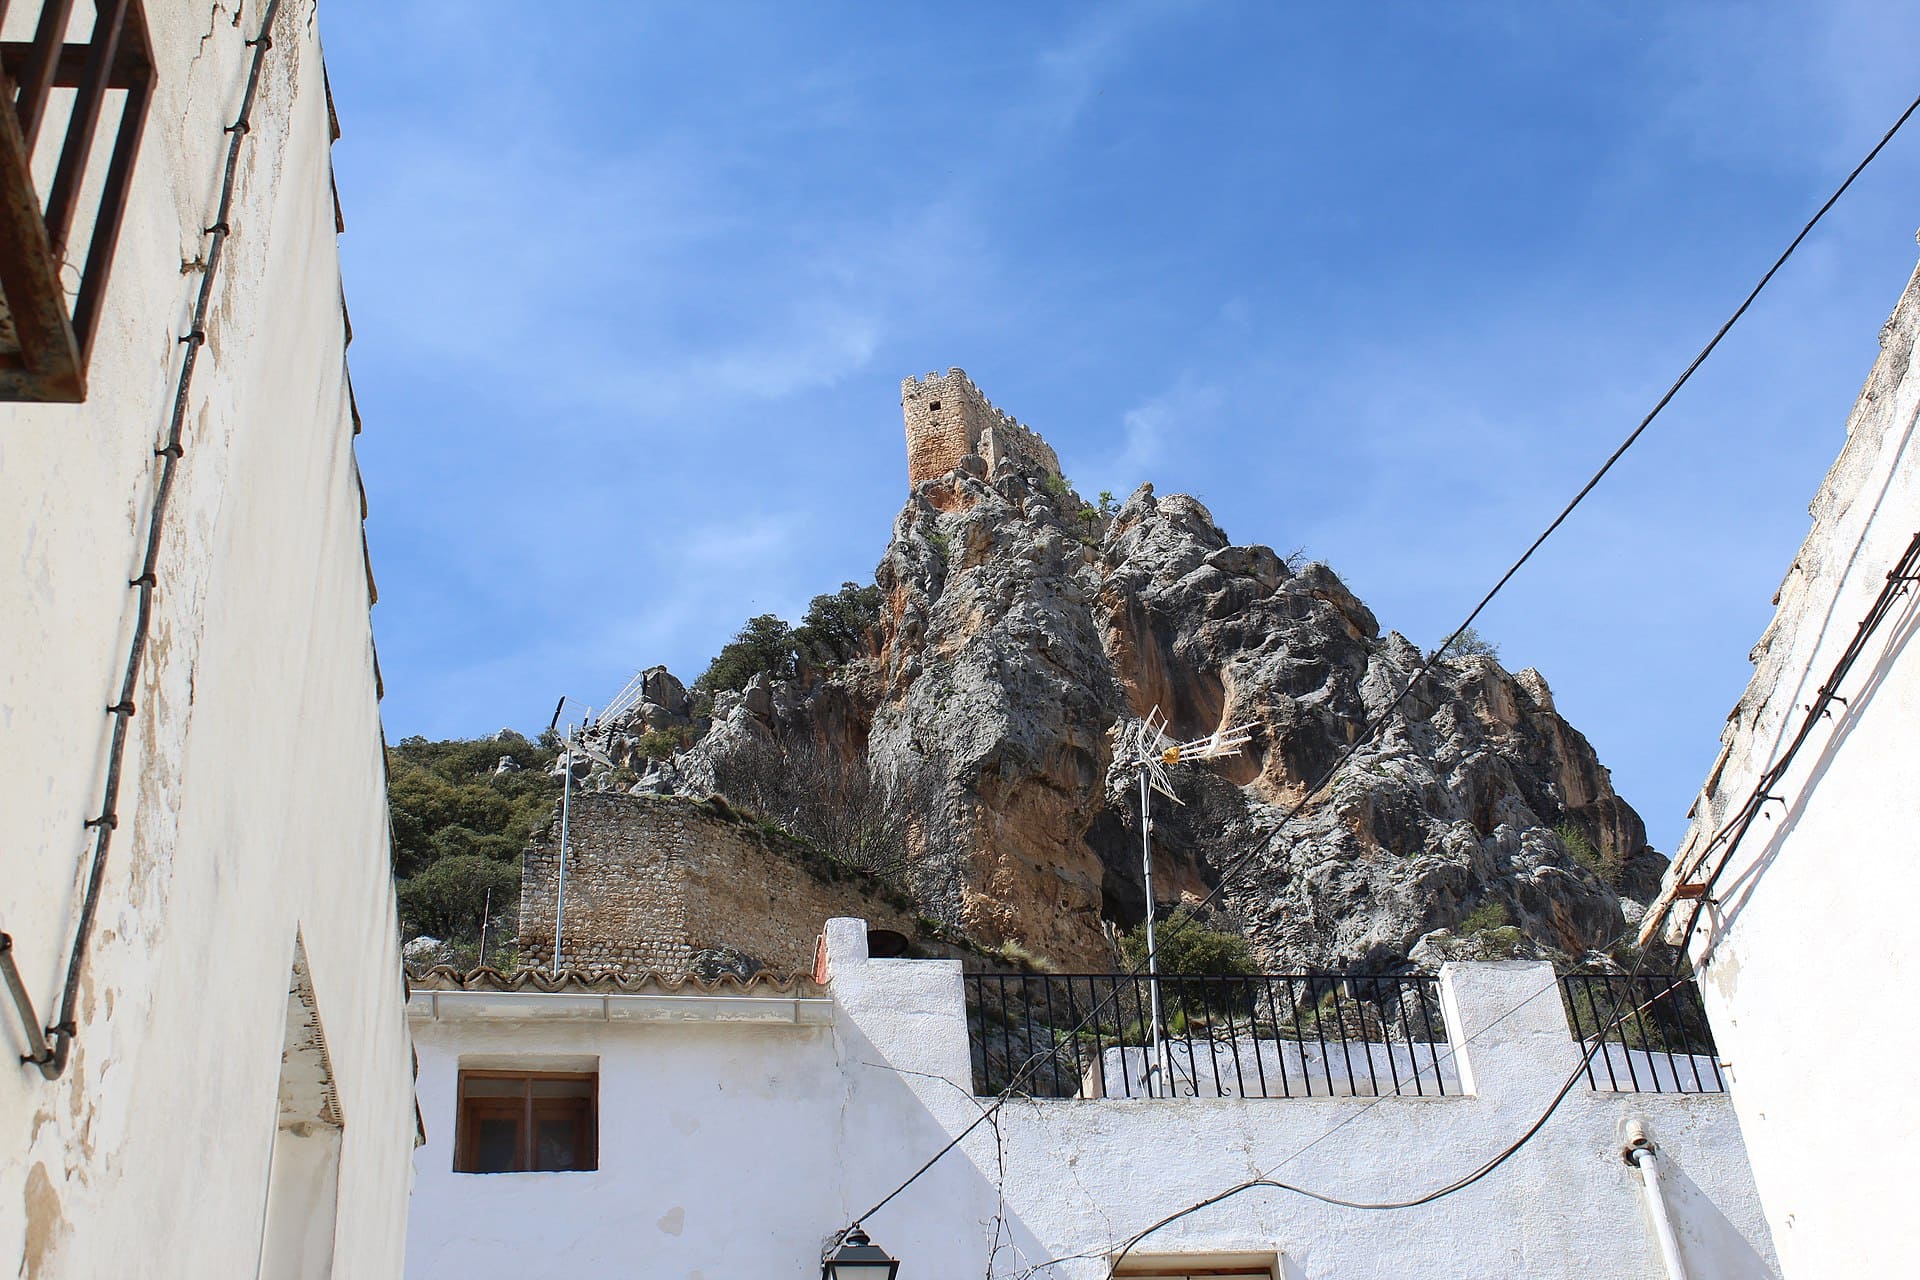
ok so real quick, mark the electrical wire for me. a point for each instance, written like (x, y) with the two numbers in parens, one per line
(1899, 580)
(51, 1056)
(1380, 720)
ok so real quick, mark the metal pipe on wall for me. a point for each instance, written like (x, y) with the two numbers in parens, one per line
(23, 1004)
(1641, 1155)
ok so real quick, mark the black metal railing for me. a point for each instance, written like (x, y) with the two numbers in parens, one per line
(1091, 1035)
(1660, 1042)
(45, 344)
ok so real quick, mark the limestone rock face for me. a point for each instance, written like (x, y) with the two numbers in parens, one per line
(1021, 627)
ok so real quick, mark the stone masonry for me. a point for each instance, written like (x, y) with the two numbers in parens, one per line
(948, 418)
(653, 881)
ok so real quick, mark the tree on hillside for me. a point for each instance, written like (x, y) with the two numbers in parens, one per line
(835, 629)
(459, 826)
(1471, 644)
(450, 899)
(1185, 944)
(765, 644)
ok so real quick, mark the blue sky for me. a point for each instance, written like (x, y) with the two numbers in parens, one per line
(632, 295)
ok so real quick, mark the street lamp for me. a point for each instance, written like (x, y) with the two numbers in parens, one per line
(858, 1258)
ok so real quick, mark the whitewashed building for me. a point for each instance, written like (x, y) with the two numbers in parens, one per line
(1795, 886)
(653, 1129)
(194, 885)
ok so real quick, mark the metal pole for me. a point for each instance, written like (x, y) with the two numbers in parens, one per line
(1153, 964)
(486, 918)
(560, 890)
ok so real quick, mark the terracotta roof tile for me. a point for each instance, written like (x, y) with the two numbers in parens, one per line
(447, 978)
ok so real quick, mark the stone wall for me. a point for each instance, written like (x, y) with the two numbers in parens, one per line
(653, 881)
(947, 418)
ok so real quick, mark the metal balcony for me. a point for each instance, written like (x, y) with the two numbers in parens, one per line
(1093, 1036)
(47, 324)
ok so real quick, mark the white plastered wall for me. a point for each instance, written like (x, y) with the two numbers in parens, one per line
(734, 1151)
(1807, 940)
(253, 805)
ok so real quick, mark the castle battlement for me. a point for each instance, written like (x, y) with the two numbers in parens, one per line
(948, 417)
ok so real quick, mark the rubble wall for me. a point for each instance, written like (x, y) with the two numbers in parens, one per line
(652, 881)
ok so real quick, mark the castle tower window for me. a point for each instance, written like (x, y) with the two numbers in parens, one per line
(50, 290)
(933, 405)
(527, 1122)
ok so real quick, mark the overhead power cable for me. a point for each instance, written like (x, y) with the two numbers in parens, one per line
(50, 1054)
(1379, 721)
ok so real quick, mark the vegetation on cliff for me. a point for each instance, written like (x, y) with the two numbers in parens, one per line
(460, 822)
(833, 631)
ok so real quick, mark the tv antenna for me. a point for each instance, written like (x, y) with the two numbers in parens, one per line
(1146, 748)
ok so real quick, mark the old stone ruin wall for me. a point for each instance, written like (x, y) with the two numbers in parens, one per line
(663, 883)
(948, 417)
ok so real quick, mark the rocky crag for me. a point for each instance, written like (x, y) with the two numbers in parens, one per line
(1021, 626)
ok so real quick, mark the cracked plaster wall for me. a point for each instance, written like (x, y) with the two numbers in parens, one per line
(254, 801)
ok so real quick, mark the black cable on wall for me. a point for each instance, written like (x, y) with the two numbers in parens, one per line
(52, 1055)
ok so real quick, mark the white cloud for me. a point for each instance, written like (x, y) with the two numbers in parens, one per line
(1147, 430)
(1070, 73)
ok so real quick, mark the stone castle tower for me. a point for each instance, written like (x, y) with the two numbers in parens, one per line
(948, 418)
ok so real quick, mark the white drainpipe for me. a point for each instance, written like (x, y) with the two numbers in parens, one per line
(1641, 1155)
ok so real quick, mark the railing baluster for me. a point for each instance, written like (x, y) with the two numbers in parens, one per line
(1279, 1045)
(1621, 1012)
(1386, 1028)
(1652, 1032)
(1320, 1032)
(1094, 1011)
(1695, 1015)
(1428, 989)
(83, 120)
(1602, 1026)
(1007, 1041)
(1232, 988)
(1053, 1039)
(1663, 1018)
(49, 37)
(1213, 1047)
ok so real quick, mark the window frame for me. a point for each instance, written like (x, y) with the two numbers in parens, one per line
(1196, 1266)
(468, 1111)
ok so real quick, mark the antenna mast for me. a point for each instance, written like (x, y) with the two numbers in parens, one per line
(1145, 747)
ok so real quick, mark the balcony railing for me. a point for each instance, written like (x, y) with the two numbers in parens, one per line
(1661, 1042)
(47, 327)
(1266, 1036)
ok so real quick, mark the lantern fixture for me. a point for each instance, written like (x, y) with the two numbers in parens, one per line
(858, 1258)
